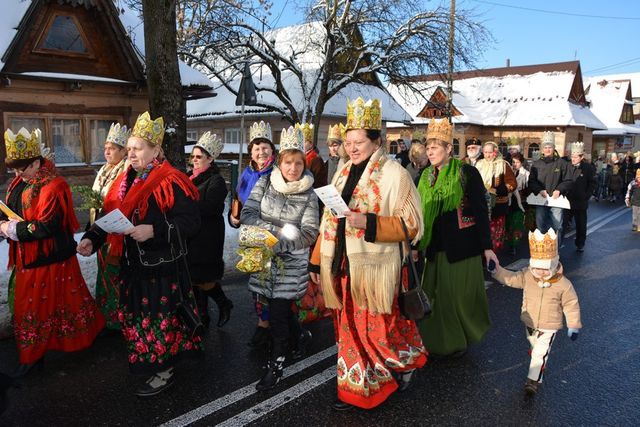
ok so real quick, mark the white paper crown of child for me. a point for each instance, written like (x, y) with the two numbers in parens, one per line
(291, 139)
(211, 143)
(543, 249)
(260, 130)
(577, 148)
(548, 138)
(118, 134)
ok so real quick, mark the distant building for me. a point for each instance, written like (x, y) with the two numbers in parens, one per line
(504, 105)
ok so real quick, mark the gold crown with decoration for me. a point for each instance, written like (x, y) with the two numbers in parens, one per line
(364, 115)
(307, 131)
(577, 148)
(291, 139)
(260, 130)
(211, 143)
(336, 132)
(543, 248)
(150, 130)
(441, 130)
(118, 134)
(22, 145)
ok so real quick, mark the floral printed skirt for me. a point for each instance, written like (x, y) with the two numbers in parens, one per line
(371, 347)
(108, 289)
(154, 333)
(515, 227)
(53, 310)
(498, 233)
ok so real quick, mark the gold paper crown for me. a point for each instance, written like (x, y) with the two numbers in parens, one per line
(307, 131)
(543, 246)
(364, 115)
(118, 135)
(150, 130)
(22, 145)
(291, 139)
(336, 132)
(548, 138)
(513, 143)
(211, 143)
(577, 148)
(260, 130)
(441, 130)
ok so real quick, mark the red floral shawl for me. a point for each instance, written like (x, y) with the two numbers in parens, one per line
(159, 183)
(45, 195)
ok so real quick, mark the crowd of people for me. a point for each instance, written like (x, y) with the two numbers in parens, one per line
(156, 275)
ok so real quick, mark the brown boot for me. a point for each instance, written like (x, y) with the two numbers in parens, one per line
(531, 387)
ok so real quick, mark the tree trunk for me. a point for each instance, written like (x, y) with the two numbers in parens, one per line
(163, 76)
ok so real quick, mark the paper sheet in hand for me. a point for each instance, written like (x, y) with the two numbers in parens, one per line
(114, 222)
(560, 202)
(332, 200)
(8, 212)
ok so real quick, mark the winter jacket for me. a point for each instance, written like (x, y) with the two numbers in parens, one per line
(633, 193)
(206, 247)
(317, 167)
(542, 307)
(615, 183)
(550, 174)
(272, 204)
(584, 184)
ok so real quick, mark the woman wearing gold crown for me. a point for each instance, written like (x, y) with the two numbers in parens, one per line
(52, 307)
(358, 263)
(456, 236)
(284, 204)
(205, 249)
(115, 154)
(262, 153)
(161, 203)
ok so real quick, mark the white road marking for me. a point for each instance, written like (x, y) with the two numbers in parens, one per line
(230, 399)
(280, 399)
(599, 219)
(609, 219)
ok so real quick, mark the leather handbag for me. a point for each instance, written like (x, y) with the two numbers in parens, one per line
(414, 303)
(236, 208)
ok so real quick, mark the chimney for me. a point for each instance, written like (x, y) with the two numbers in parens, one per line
(508, 63)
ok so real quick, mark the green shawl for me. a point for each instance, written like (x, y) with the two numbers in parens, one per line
(442, 196)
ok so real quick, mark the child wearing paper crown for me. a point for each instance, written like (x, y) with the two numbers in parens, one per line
(547, 294)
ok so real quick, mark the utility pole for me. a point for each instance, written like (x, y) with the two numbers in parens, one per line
(452, 30)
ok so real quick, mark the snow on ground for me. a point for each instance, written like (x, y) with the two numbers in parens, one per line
(89, 271)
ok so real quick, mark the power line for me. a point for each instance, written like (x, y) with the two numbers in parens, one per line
(275, 23)
(614, 66)
(554, 12)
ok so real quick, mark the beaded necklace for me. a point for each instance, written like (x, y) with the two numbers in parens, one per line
(141, 176)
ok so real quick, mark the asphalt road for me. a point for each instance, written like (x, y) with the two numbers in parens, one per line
(592, 381)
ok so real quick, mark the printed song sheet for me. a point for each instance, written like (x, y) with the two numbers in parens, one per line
(332, 200)
(114, 222)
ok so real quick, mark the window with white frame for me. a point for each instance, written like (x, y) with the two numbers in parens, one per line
(192, 135)
(232, 135)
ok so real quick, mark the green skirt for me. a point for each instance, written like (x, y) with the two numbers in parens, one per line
(460, 314)
(108, 289)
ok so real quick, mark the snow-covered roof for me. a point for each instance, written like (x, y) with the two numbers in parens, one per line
(304, 41)
(607, 97)
(224, 104)
(14, 10)
(633, 77)
(537, 99)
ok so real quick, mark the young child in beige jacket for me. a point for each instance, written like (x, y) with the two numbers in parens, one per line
(547, 294)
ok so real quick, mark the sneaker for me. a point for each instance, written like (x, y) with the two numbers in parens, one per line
(157, 383)
(404, 379)
(531, 387)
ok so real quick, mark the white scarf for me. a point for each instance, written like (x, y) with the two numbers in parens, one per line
(293, 187)
(490, 169)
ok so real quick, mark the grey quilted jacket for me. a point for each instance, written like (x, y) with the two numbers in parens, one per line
(271, 209)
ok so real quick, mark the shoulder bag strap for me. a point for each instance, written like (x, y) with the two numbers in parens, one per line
(412, 265)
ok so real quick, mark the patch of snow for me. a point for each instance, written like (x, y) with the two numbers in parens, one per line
(607, 98)
(12, 13)
(67, 76)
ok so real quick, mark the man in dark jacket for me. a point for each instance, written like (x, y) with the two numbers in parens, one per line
(403, 153)
(584, 183)
(550, 176)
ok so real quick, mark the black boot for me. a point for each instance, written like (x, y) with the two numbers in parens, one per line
(202, 301)
(261, 338)
(300, 344)
(272, 374)
(224, 304)
(5, 383)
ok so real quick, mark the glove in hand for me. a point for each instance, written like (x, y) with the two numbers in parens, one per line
(573, 333)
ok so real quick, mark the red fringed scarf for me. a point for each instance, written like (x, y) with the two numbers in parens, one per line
(159, 183)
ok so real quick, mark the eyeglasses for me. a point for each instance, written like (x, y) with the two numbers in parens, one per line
(197, 156)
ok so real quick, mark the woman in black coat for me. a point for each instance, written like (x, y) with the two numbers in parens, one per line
(205, 249)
